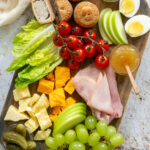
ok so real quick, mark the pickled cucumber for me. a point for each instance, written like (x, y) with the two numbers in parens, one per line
(13, 147)
(21, 129)
(15, 138)
(31, 145)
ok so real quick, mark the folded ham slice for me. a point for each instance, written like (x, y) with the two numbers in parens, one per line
(99, 90)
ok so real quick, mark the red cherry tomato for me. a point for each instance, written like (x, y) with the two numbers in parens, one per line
(73, 64)
(64, 28)
(90, 50)
(81, 43)
(72, 41)
(103, 44)
(102, 61)
(64, 53)
(78, 55)
(57, 40)
(91, 34)
(77, 30)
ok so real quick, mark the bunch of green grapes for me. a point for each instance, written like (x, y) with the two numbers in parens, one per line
(94, 135)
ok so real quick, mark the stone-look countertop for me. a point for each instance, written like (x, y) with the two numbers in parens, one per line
(135, 125)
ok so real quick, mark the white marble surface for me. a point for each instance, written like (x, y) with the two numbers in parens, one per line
(136, 122)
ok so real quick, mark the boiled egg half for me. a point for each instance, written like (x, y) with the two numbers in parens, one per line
(129, 7)
(137, 25)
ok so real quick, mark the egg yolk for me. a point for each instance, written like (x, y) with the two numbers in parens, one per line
(127, 6)
(135, 28)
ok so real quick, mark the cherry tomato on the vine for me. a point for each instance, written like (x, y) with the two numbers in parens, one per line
(78, 55)
(91, 34)
(103, 44)
(72, 41)
(64, 53)
(101, 61)
(57, 40)
(81, 43)
(64, 28)
(77, 30)
(73, 64)
(90, 50)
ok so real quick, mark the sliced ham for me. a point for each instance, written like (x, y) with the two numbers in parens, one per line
(117, 106)
(99, 90)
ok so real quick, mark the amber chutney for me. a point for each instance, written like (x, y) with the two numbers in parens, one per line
(124, 55)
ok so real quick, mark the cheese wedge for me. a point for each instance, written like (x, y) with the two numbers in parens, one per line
(23, 104)
(34, 99)
(43, 102)
(21, 93)
(43, 119)
(13, 114)
(32, 124)
(42, 135)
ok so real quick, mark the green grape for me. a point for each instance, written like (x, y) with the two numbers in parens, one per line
(76, 145)
(70, 136)
(100, 146)
(82, 134)
(93, 138)
(51, 143)
(101, 128)
(91, 122)
(80, 126)
(116, 139)
(60, 139)
(111, 147)
(111, 130)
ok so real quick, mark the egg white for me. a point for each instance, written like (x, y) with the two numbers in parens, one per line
(137, 6)
(143, 19)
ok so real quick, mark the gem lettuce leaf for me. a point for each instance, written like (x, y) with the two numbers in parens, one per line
(36, 52)
(26, 42)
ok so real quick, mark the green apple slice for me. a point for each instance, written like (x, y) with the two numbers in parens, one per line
(70, 109)
(104, 23)
(62, 120)
(79, 110)
(110, 27)
(101, 30)
(118, 27)
(69, 123)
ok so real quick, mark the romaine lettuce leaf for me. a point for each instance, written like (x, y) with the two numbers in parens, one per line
(26, 43)
(32, 25)
(33, 74)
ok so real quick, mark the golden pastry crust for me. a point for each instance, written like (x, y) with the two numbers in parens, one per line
(86, 14)
(65, 9)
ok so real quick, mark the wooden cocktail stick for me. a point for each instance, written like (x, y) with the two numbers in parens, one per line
(134, 85)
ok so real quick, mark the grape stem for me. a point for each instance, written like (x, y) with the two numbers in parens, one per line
(80, 37)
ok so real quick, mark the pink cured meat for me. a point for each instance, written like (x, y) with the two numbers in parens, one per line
(91, 84)
(117, 106)
(101, 99)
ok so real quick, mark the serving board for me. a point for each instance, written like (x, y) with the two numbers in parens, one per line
(124, 85)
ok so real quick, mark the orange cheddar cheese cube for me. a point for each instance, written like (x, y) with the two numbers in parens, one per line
(52, 117)
(50, 76)
(62, 75)
(57, 98)
(69, 101)
(45, 86)
(56, 110)
(69, 88)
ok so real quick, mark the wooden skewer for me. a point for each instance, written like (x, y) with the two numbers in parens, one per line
(134, 85)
